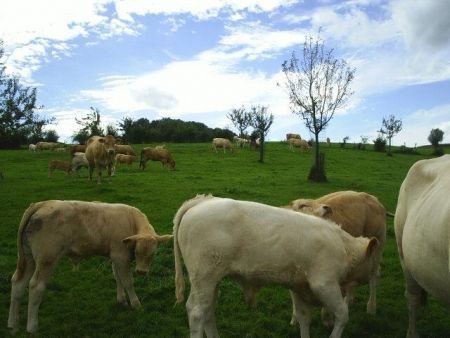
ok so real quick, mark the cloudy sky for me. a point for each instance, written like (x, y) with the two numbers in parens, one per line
(198, 59)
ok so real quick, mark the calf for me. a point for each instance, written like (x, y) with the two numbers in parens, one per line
(79, 161)
(159, 153)
(257, 245)
(60, 165)
(127, 159)
(51, 229)
(125, 149)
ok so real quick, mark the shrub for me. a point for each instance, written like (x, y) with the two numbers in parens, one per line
(379, 144)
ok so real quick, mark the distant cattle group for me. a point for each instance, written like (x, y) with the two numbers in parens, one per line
(319, 249)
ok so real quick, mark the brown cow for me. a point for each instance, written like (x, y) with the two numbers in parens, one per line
(77, 148)
(100, 154)
(297, 143)
(60, 165)
(359, 214)
(159, 153)
(125, 149)
(51, 229)
(128, 159)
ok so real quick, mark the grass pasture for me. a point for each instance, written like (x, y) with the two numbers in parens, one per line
(83, 303)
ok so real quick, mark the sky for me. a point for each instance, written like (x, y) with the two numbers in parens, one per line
(197, 60)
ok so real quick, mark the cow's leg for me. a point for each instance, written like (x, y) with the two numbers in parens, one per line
(19, 282)
(121, 296)
(200, 307)
(91, 171)
(123, 271)
(38, 284)
(302, 312)
(329, 293)
(372, 302)
(415, 297)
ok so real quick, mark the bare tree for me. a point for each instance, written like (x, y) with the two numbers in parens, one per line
(261, 120)
(390, 127)
(241, 120)
(317, 85)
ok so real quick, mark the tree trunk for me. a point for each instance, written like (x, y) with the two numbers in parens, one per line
(317, 171)
(261, 149)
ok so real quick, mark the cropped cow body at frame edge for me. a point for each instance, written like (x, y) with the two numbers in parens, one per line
(422, 231)
(219, 237)
(51, 229)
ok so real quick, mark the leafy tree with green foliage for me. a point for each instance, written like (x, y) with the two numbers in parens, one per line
(90, 126)
(241, 119)
(390, 127)
(51, 136)
(436, 136)
(317, 85)
(18, 104)
(261, 120)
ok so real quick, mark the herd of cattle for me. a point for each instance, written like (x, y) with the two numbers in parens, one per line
(253, 243)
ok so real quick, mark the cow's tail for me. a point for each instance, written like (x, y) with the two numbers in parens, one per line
(179, 277)
(21, 259)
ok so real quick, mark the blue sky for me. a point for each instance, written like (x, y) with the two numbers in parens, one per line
(197, 60)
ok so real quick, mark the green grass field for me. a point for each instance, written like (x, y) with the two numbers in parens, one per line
(83, 303)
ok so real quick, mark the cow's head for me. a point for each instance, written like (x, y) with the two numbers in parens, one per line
(145, 247)
(109, 143)
(311, 207)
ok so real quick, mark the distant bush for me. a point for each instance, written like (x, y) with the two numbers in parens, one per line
(379, 144)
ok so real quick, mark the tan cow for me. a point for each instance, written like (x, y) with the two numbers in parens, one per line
(422, 229)
(159, 153)
(51, 229)
(59, 165)
(100, 154)
(359, 214)
(77, 148)
(125, 149)
(126, 159)
(223, 143)
(298, 143)
(47, 145)
(257, 245)
(292, 135)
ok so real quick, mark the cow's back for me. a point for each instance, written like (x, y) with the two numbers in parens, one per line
(422, 225)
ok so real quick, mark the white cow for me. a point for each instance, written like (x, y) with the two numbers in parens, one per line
(51, 229)
(32, 147)
(223, 143)
(422, 230)
(256, 245)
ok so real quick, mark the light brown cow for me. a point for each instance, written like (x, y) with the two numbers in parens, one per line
(51, 229)
(126, 159)
(359, 214)
(292, 135)
(159, 153)
(59, 165)
(47, 145)
(125, 149)
(298, 143)
(100, 154)
(77, 148)
(223, 143)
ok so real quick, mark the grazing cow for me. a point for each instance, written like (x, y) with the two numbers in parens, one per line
(223, 143)
(77, 148)
(47, 145)
(51, 229)
(125, 149)
(256, 245)
(159, 153)
(241, 142)
(422, 224)
(359, 214)
(127, 159)
(32, 147)
(100, 154)
(60, 165)
(298, 143)
(79, 161)
(291, 135)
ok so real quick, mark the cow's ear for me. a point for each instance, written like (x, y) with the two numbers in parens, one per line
(101, 140)
(163, 238)
(372, 246)
(327, 210)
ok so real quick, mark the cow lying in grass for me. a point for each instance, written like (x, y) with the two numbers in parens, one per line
(257, 245)
(51, 229)
(53, 165)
